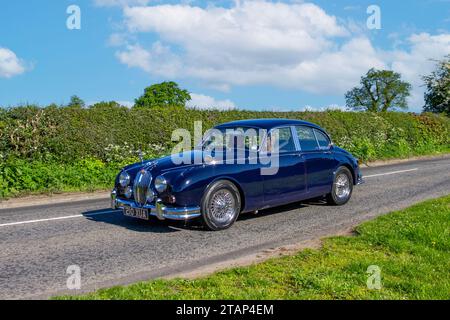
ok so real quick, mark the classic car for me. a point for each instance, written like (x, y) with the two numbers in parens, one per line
(309, 166)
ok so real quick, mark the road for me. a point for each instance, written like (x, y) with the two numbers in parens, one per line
(37, 244)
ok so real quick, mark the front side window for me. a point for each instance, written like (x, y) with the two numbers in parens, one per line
(307, 138)
(322, 139)
(232, 138)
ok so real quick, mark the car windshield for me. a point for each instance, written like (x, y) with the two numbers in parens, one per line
(232, 138)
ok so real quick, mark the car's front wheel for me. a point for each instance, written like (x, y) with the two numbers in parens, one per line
(221, 205)
(342, 187)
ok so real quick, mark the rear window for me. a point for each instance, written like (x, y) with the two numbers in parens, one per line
(307, 138)
(322, 139)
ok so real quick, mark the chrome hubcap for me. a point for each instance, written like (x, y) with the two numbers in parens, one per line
(222, 206)
(342, 186)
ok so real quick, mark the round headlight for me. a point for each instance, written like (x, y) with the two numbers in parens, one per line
(160, 184)
(124, 179)
(128, 192)
(150, 195)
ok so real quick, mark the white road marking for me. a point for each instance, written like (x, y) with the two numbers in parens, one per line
(109, 211)
(53, 219)
(389, 173)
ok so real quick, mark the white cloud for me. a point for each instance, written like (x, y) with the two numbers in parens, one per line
(157, 60)
(201, 101)
(256, 42)
(117, 40)
(418, 61)
(121, 3)
(291, 45)
(10, 64)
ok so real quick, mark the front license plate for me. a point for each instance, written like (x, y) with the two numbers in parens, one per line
(136, 213)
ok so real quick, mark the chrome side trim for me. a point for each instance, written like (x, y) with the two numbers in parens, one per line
(113, 199)
(160, 210)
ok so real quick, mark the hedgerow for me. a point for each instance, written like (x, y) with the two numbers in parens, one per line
(71, 148)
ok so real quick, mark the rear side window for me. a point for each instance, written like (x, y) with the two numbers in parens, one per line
(285, 140)
(307, 139)
(322, 139)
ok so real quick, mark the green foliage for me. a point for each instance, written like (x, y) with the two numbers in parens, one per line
(163, 94)
(380, 91)
(76, 102)
(410, 247)
(52, 141)
(437, 96)
(19, 177)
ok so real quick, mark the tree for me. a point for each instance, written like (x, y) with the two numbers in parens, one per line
(437, 95)
(76, 102)
(105, 105)
(163, 94)
(380, 91)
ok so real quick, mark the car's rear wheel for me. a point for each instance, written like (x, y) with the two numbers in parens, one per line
(342, 187)
(221, 205)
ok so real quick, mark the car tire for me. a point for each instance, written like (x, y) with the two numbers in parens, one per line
(221, 205)
(342, 189)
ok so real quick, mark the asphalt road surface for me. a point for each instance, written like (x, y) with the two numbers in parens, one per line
(38, 244)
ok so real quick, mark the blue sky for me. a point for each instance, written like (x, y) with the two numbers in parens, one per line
(282, 55)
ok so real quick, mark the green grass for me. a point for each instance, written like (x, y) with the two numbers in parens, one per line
(412, 248)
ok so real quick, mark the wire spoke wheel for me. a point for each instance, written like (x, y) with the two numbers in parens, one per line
(222, 207)
(342, 186)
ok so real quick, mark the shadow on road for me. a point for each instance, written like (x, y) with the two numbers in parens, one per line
(154, 225)
(284, 208)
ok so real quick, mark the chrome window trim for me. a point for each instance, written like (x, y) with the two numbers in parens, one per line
(296, 139)
(317, 141)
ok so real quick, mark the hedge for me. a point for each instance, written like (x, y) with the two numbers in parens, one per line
(69, 148)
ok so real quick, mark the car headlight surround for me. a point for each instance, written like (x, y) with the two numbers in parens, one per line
(161, 184)
(124, 179)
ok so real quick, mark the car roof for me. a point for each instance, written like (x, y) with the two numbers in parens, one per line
(266, 123)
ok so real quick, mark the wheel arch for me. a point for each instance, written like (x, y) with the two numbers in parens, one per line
(235, 183)
(350, 168)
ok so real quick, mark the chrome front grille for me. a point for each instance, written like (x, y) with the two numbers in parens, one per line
(141, 185)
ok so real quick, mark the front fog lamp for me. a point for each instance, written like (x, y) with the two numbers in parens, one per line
(128, 192)
(124, 179)
(160, 184)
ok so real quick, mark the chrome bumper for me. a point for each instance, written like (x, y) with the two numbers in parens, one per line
(360, 181)
(158, 210)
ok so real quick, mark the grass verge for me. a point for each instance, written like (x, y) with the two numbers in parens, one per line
(411, 247)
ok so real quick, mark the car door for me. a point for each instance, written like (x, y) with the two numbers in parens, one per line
(319, 160)
(288, 184)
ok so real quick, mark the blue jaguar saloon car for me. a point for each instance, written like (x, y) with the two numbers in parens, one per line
(286, 161)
